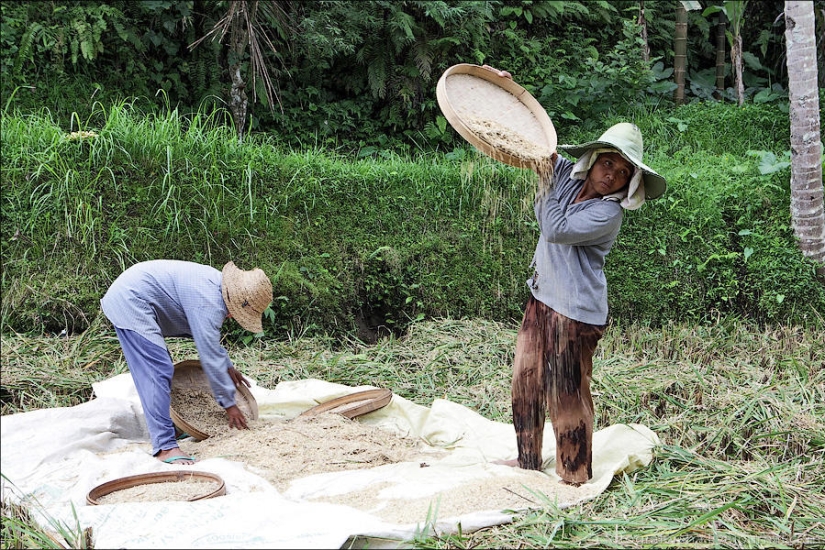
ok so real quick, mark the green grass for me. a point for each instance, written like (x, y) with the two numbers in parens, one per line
(387, 239)
(21, 530)
(740, 411)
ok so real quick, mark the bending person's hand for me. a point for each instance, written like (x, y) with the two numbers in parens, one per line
(502, 74)
(237, 377)
(236, 418)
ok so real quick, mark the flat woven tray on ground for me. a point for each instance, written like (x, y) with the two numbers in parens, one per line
(189, 375)
(160, 477)
(354, 404)
(497, 116)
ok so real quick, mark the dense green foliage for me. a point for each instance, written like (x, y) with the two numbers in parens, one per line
(360, 246)
(719, 241)
(360, 76)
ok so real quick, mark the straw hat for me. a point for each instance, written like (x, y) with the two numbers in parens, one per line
(246, 294)
(627, 138)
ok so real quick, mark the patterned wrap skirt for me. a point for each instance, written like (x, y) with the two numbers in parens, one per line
(552, 371)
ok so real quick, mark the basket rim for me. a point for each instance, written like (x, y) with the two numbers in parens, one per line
(519, 94)
(128, 482)
(374, 400)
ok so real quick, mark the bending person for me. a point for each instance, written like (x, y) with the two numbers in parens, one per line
(167, 298)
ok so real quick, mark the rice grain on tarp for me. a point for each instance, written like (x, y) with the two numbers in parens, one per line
(283, 450)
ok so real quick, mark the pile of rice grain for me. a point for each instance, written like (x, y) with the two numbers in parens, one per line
(283, 450)
(526, 489)
(199, 409)
(505, 139)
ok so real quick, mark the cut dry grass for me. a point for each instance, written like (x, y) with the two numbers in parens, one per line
(21, 530)
(739, 410)
(55, 371)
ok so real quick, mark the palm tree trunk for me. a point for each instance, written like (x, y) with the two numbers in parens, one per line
(238, 103)
(680, 54)
(735, 13)
(249, 24)
(738, 67)
(720, 55)
(238, 39)
(807, 208)
(643, 26)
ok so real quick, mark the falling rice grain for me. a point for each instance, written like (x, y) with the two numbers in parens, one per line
(510, 142)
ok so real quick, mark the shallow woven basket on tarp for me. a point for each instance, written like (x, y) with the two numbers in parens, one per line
(188, 376)
(497, 116)
(216, 488)
(353, 405)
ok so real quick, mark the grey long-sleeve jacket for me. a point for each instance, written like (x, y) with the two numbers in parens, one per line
(575, 239)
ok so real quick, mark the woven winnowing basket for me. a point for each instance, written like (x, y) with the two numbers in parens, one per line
(469, 95)
(189, 375)
(218, 487)
(354, 404)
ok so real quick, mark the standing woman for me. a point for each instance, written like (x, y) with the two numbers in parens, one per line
(566, 314)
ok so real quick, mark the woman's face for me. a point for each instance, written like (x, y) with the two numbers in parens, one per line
(609, 173)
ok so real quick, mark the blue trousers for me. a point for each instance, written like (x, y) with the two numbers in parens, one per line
(152, 369)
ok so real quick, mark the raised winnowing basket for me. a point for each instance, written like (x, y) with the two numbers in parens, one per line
(497, 116)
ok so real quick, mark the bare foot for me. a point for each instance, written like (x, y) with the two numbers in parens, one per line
(513, 462)
(571, 483)
(175, 456)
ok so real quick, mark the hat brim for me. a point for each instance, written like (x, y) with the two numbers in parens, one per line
(231, 279)
(655, 185)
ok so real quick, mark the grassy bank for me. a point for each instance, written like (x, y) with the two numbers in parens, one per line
(357, 246)
(739, 410)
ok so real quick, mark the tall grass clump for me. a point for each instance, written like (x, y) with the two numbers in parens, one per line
(64, 369)
(21, 530)
(97, 200)
(366, 246)
(343, 239)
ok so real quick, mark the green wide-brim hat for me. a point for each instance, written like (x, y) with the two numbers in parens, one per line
(627, 138)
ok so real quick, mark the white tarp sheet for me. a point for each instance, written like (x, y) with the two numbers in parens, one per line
(52, 458)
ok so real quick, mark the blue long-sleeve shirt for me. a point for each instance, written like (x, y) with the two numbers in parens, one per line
(575, 239)
(165, 298)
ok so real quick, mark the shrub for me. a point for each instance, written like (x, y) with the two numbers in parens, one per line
(378, 241)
